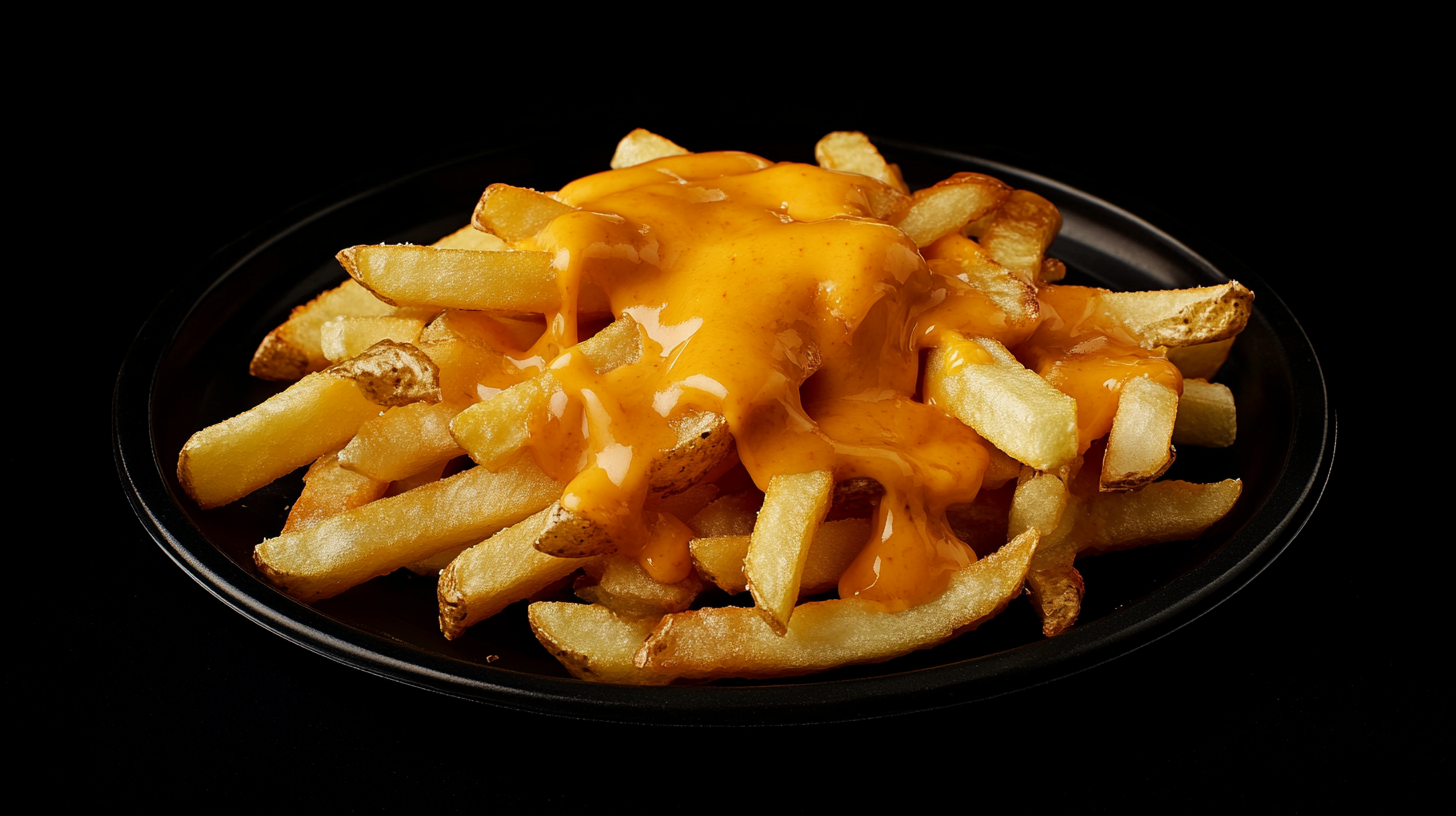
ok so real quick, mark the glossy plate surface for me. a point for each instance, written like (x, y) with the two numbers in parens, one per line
(188, 369)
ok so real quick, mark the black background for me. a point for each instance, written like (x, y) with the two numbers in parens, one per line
(1295, 688)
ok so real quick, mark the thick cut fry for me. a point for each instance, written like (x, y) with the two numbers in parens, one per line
(311, 418)
(493, 430)
(496, 573)
(978, 381)
(1043, 501)
(409, 275)
(1162, 511)
(296, 348)
(719, 559)
(1202, 361)
(515, 213)
(852, 152)
(468, 237)
(329, 490)
(593, 643)
(737, 642)
(731, 515)
(403, 441)
(495, 332)
(956, 256)
(1180, 317)
(346, 337)
(1139, 448)
(1206, 415)
(793, 508)
(383, 536)
(1018, 237)
(623, 586)
(643, 146)
(940, 210)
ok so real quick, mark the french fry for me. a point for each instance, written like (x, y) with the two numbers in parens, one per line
(408, 275)
(309, 419)
(1020, 233)
(793, 508)
(495, 332)
(623, 586)
(1043, 501)
(643, 146)
(1201, 361)
(1206, 415)
(1139, 448)
(958, 257)
(346, 337)
(493, 430)
(329, 490)
(1162, 511)
(940, 210)
(731, 515)
(515, 213)
(348, 549)
(593, 643)
(497, 572)
(468, 237)
(738, 642)
(719, 559)
(852, 152)
(979, 382)
(1180, 317)
(295, 348)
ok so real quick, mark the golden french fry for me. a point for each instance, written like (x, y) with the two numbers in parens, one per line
(1206, 415)
(468, 237)
(623, 586)
(497, 572)
(852, 152)
(940, 210)
(295, 348)
(793, 508)
(346, 337)
(348, 549)
(408, 275)
(1019, 235)
(1201, 361)
(309, 419)
(329, 490)
(1139, 448)
(719, 559)
(958, 257)
(1043, 501)
(643, 146)
(496, 332)
(493, 430)
(738, 642)
(979, 382)
(593, 643)
(731, 515)
(515, 213)
(1180, 317)
(1162, 511)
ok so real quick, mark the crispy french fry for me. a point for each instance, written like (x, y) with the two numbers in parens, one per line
(593, 643)
(468, 237)
(348, 549)
(793, 508)
(731, 515)
(493, 430)
(497, 572)
(738, 642)
(1162, 511)
(940, 210)
(408, 275)
(309, 419)
(1139, 448)
(516, 213)
(346, 337)
(1019, 235)
(852, 152)
(978, 381)
(623, 586)
(495, 332)
(643, 146)
(1206, 415)
(295, 348)
(329, 490)
(719, 559)
(1180, 317)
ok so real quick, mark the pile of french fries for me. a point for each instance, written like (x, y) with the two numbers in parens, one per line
(423, 389)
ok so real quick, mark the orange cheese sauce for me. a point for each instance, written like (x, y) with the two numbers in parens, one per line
(769, 294)
(1088, 357)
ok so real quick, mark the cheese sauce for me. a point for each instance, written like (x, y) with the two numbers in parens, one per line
(769, 294)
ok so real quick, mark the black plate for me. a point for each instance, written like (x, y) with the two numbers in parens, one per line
(187, 369)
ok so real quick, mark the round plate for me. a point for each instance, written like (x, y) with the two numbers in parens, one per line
(187, 369)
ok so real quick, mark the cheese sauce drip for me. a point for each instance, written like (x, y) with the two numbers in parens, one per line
(766, 293)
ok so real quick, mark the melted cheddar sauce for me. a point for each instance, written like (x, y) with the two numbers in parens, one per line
(769, 294)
